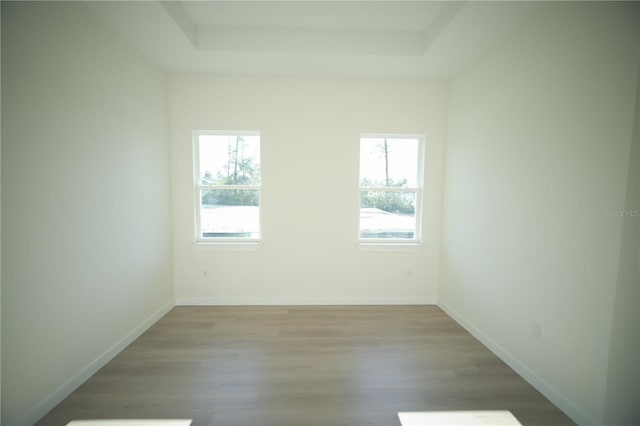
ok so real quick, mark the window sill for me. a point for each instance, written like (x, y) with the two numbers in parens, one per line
(228, 245)
(388, 246)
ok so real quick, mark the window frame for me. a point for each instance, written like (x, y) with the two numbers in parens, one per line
(198, 187)
(418, 190)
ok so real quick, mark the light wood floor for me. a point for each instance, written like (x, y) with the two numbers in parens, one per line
(306, 366)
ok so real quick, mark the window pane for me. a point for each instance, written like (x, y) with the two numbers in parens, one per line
(388, 162)
(231, 213)
(229, 159)
(387, 214)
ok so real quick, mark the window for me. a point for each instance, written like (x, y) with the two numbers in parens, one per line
(390, 188)
(227, 186)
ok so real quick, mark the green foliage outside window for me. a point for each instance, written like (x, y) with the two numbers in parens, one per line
(388, 201)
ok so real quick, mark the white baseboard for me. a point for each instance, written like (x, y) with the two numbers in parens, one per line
(568, 407)
(292, 301)
(48, 403)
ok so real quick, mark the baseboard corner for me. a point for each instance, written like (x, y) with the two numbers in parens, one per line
(57, 396)
(574, 412)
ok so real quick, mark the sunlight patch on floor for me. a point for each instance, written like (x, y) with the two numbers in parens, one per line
(458, 418)
(131, 422)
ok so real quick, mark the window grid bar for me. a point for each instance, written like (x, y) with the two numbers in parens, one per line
(245, 187)
(388, 189)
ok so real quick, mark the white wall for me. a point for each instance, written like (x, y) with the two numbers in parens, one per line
(539, 133)
(623, 373)
(85, 197)
(310, 142)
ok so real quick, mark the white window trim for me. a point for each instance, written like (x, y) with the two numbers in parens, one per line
(377, 244)
(239, 244)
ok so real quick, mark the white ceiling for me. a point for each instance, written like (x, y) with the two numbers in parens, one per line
(433, 39)
(324, 15)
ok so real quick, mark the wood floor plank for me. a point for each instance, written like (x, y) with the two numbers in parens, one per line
(303, 365)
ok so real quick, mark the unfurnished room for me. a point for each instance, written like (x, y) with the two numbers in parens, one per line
(320, 213)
